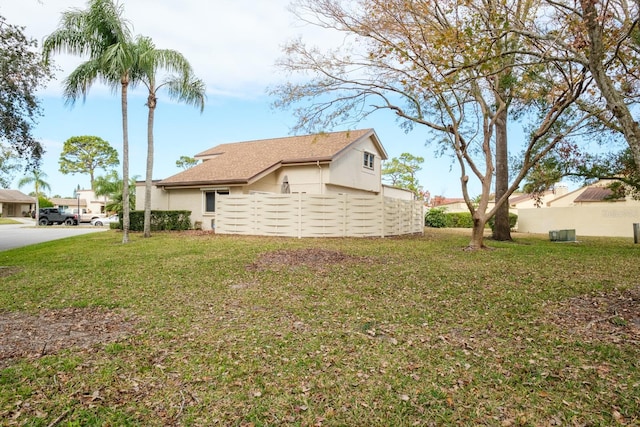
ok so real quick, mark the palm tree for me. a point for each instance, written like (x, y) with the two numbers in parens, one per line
(110, 186)
(182, 86)
(101, 33)
(37, 179)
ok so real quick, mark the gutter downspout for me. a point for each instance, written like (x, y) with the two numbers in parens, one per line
(321, 180)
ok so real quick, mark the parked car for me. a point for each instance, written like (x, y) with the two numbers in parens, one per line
(99, 222)
(48, 216)
(86, 215)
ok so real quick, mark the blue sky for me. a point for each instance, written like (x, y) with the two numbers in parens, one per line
(232, 45)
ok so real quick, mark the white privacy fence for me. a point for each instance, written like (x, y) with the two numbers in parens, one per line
(306, 215)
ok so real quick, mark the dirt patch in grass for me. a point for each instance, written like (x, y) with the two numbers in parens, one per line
(612, 317)
(313, 258)
(33, 336)
(8, 271)
(198, 233)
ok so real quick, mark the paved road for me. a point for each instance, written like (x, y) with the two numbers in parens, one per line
(26, 233)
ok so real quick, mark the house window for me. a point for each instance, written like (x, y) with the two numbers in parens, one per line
(210, 199)
(368, 160)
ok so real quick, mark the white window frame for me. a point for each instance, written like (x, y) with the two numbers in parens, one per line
(369, 160)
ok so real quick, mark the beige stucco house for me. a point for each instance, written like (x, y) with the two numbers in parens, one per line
(14, 203)
(86, 200)
(588, 210)
(327, 164)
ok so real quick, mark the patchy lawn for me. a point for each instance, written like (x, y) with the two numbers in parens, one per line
(199, 329)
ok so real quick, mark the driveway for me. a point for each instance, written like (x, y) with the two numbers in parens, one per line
(26, 233)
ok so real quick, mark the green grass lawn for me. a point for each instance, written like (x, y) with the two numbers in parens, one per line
(4, 221)
(249, 331)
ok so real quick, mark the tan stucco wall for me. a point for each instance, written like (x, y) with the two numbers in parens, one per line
(302, 179)
(191, 199)
(455, 207)
(14, 209)
(348, 169)
(397, 193)
(603, 219)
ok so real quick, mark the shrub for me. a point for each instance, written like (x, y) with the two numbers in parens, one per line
(43, 202)
(436, 218)
(513, 219)
(460, 220)
(161, 220)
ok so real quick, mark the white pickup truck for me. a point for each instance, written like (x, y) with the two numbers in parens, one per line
(86, 215)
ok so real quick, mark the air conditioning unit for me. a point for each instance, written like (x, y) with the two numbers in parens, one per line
(562, 235)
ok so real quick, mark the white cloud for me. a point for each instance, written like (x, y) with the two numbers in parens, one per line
(232, 44)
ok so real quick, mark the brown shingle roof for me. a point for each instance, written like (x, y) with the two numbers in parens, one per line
(595, 194)
(240, 162)
(15, 196)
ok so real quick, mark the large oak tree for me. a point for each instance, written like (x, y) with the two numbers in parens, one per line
(22, 73)
(455, 68)
(604, 37)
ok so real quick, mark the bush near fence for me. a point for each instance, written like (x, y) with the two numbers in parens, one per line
(438, 218)
(160, 220)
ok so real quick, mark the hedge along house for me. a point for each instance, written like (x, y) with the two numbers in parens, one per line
(294, 186)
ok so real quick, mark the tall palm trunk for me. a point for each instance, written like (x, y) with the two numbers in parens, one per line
(37, 216)
(151, 103)
(125, 162)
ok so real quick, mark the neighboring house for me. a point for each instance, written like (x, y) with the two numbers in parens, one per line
(14, 203)
(449, 205)
(67, 204)
(594, 193)
(334, 165)
(527, 201)
(86, 200)
(589, 210)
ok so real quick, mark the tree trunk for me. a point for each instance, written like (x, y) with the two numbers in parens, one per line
(477, 233)
(125, 164)
(151, 103)
(501, 229)
(37, 209)
(615, 101)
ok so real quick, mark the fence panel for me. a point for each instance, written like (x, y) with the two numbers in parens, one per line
(322, 215)
(235, 214)
(305, 215)
(276, 214)
(365, 216)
